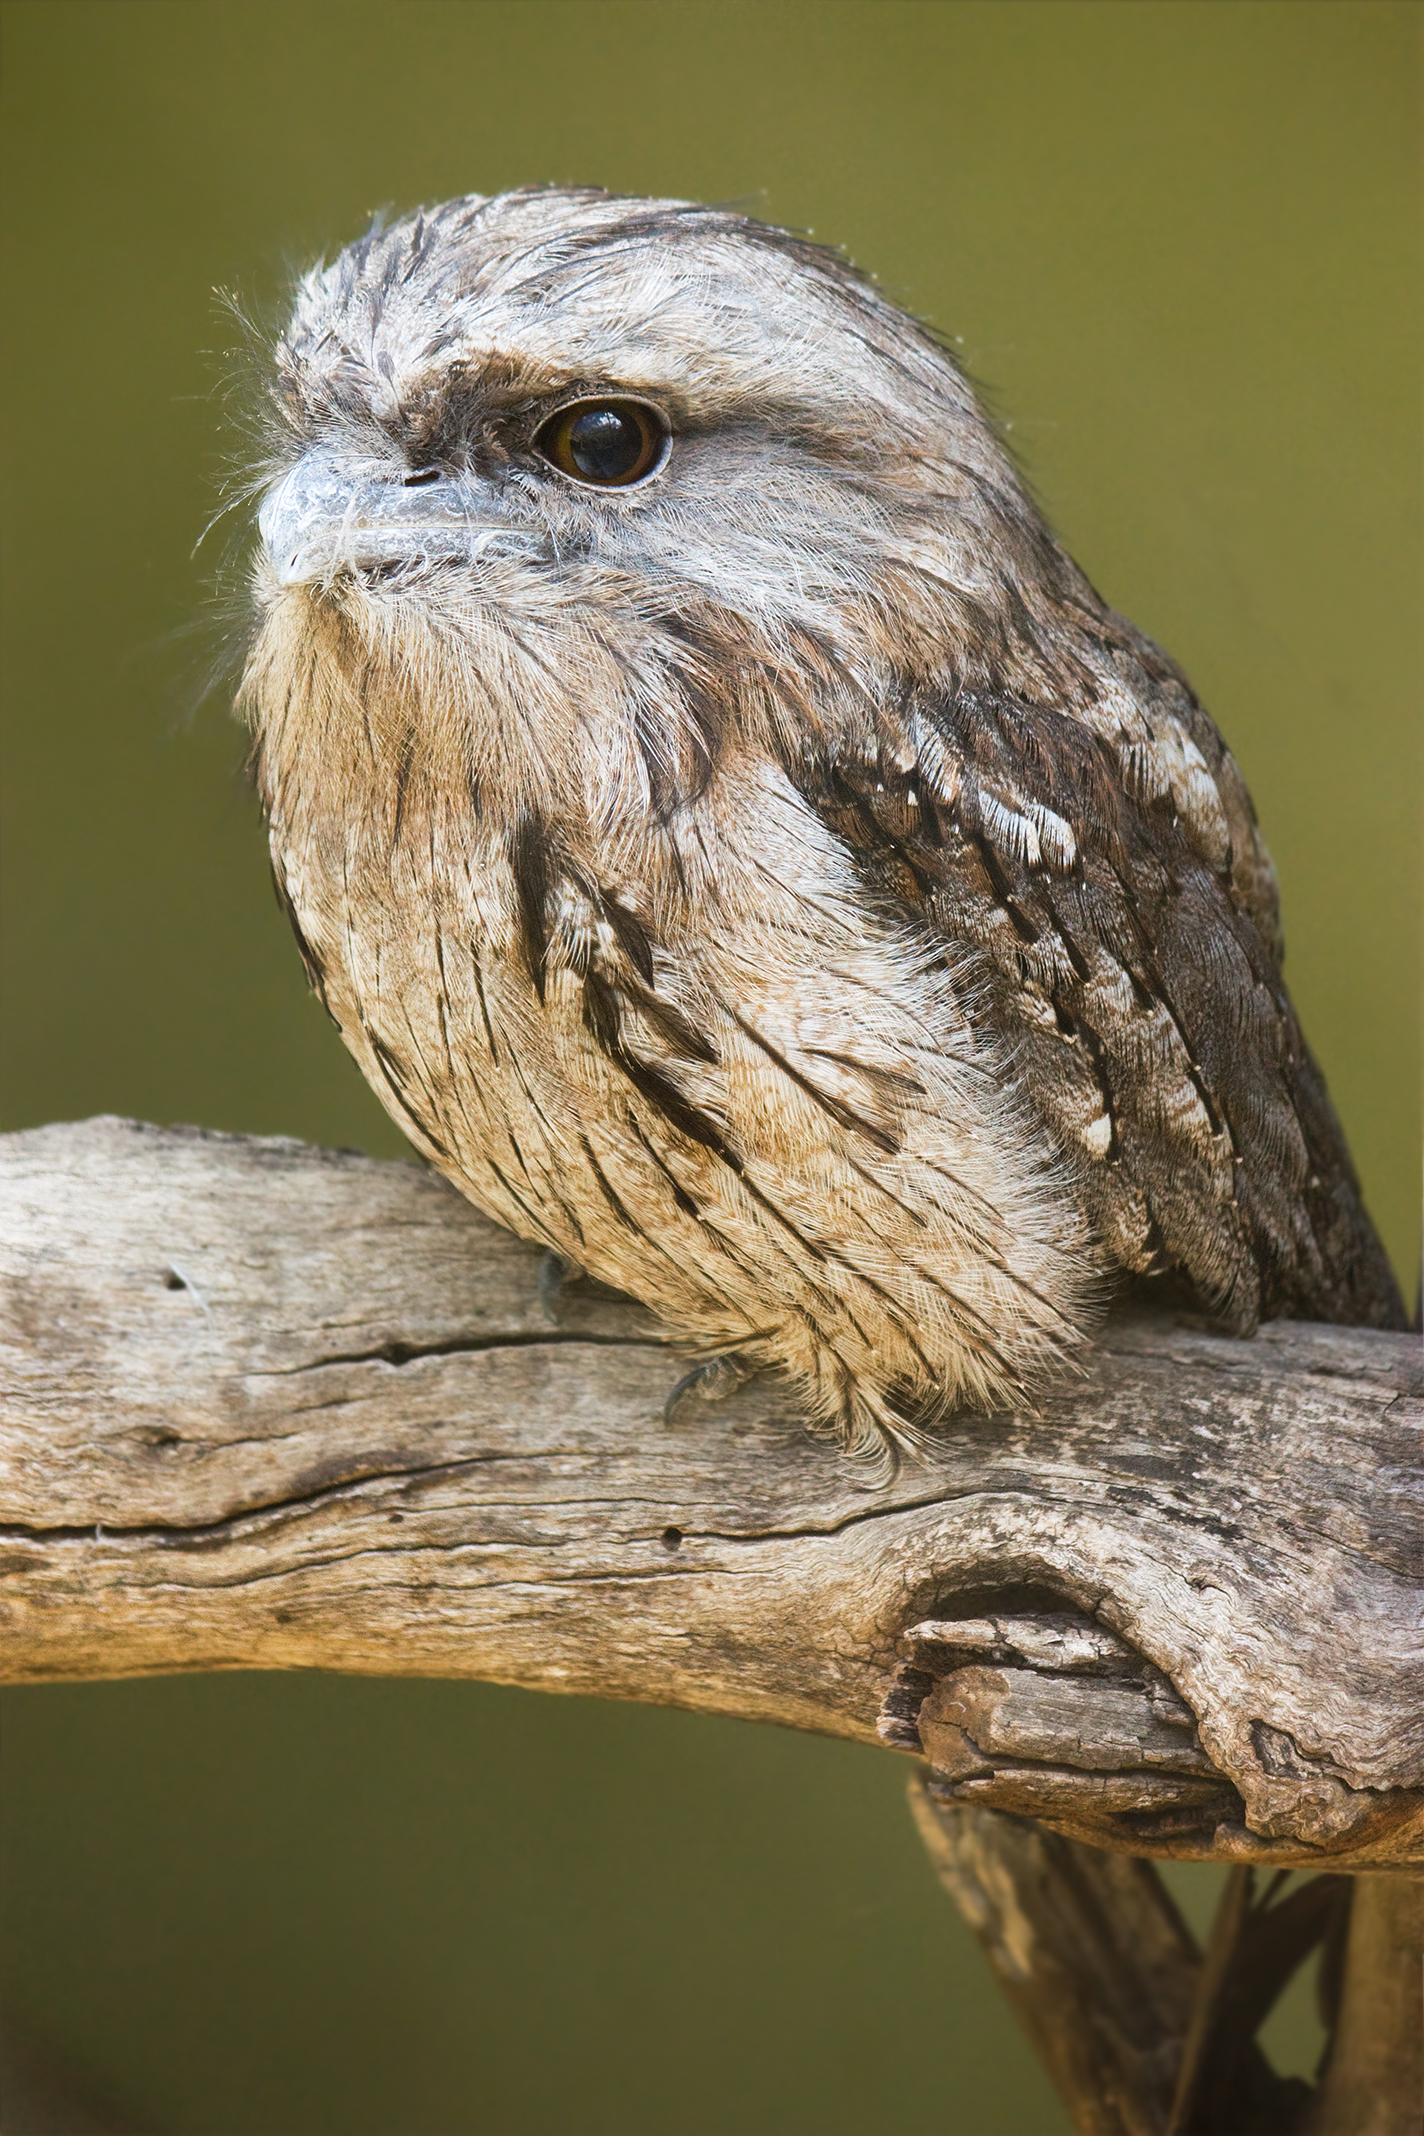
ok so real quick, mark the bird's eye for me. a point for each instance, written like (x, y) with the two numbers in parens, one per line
(610, 443)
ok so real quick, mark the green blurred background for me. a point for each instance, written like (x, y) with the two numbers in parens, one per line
(1179, 242)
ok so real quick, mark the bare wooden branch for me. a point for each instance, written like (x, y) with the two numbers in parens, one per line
(1258, 1940)
(1374, 2082)
(274, 1407)
(1092, 1955)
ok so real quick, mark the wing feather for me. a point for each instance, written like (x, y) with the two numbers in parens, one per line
(1106, 875)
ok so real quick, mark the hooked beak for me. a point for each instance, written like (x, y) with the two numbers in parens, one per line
(333, 513)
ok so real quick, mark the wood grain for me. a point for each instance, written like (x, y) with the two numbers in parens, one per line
(267, 1406)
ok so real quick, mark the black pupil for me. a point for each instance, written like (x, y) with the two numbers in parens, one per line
(604, 445)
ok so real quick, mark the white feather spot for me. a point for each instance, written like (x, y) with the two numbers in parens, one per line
(1096, 1137)
(1011, 831)
(1055, 836)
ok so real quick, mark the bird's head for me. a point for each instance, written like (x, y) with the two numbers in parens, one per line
(574, 485)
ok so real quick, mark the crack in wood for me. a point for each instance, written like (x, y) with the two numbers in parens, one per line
(408, 1353)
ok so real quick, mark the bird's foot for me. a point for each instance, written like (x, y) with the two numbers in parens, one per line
(554, 1273)
(711, 1381)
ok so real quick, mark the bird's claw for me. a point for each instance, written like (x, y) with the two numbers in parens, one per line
(711, 1381)
(554, 1273)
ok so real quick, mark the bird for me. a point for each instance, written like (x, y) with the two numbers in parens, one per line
(740, 848)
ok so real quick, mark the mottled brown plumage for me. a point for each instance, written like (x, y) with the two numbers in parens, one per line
(781, 885)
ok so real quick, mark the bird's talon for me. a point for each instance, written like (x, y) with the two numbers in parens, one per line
(554, 1273)
(711, 1381)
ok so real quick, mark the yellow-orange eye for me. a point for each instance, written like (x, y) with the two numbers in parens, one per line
(609, 443)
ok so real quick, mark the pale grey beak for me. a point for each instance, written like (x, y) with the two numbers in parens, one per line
(334, 512)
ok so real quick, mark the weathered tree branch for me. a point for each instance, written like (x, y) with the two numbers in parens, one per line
(270, 1406)
(274, 1407)
(1373, 2083)
(1096, 1963)
(1142, 2034)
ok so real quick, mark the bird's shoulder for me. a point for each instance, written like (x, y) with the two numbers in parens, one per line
(1099, 866)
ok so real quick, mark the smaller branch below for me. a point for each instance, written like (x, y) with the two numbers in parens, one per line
(1373, 2084)
(1095, 1960)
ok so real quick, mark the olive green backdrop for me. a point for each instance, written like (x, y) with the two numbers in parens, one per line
(1179, 243)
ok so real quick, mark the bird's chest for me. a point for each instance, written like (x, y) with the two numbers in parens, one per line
(455, 959)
